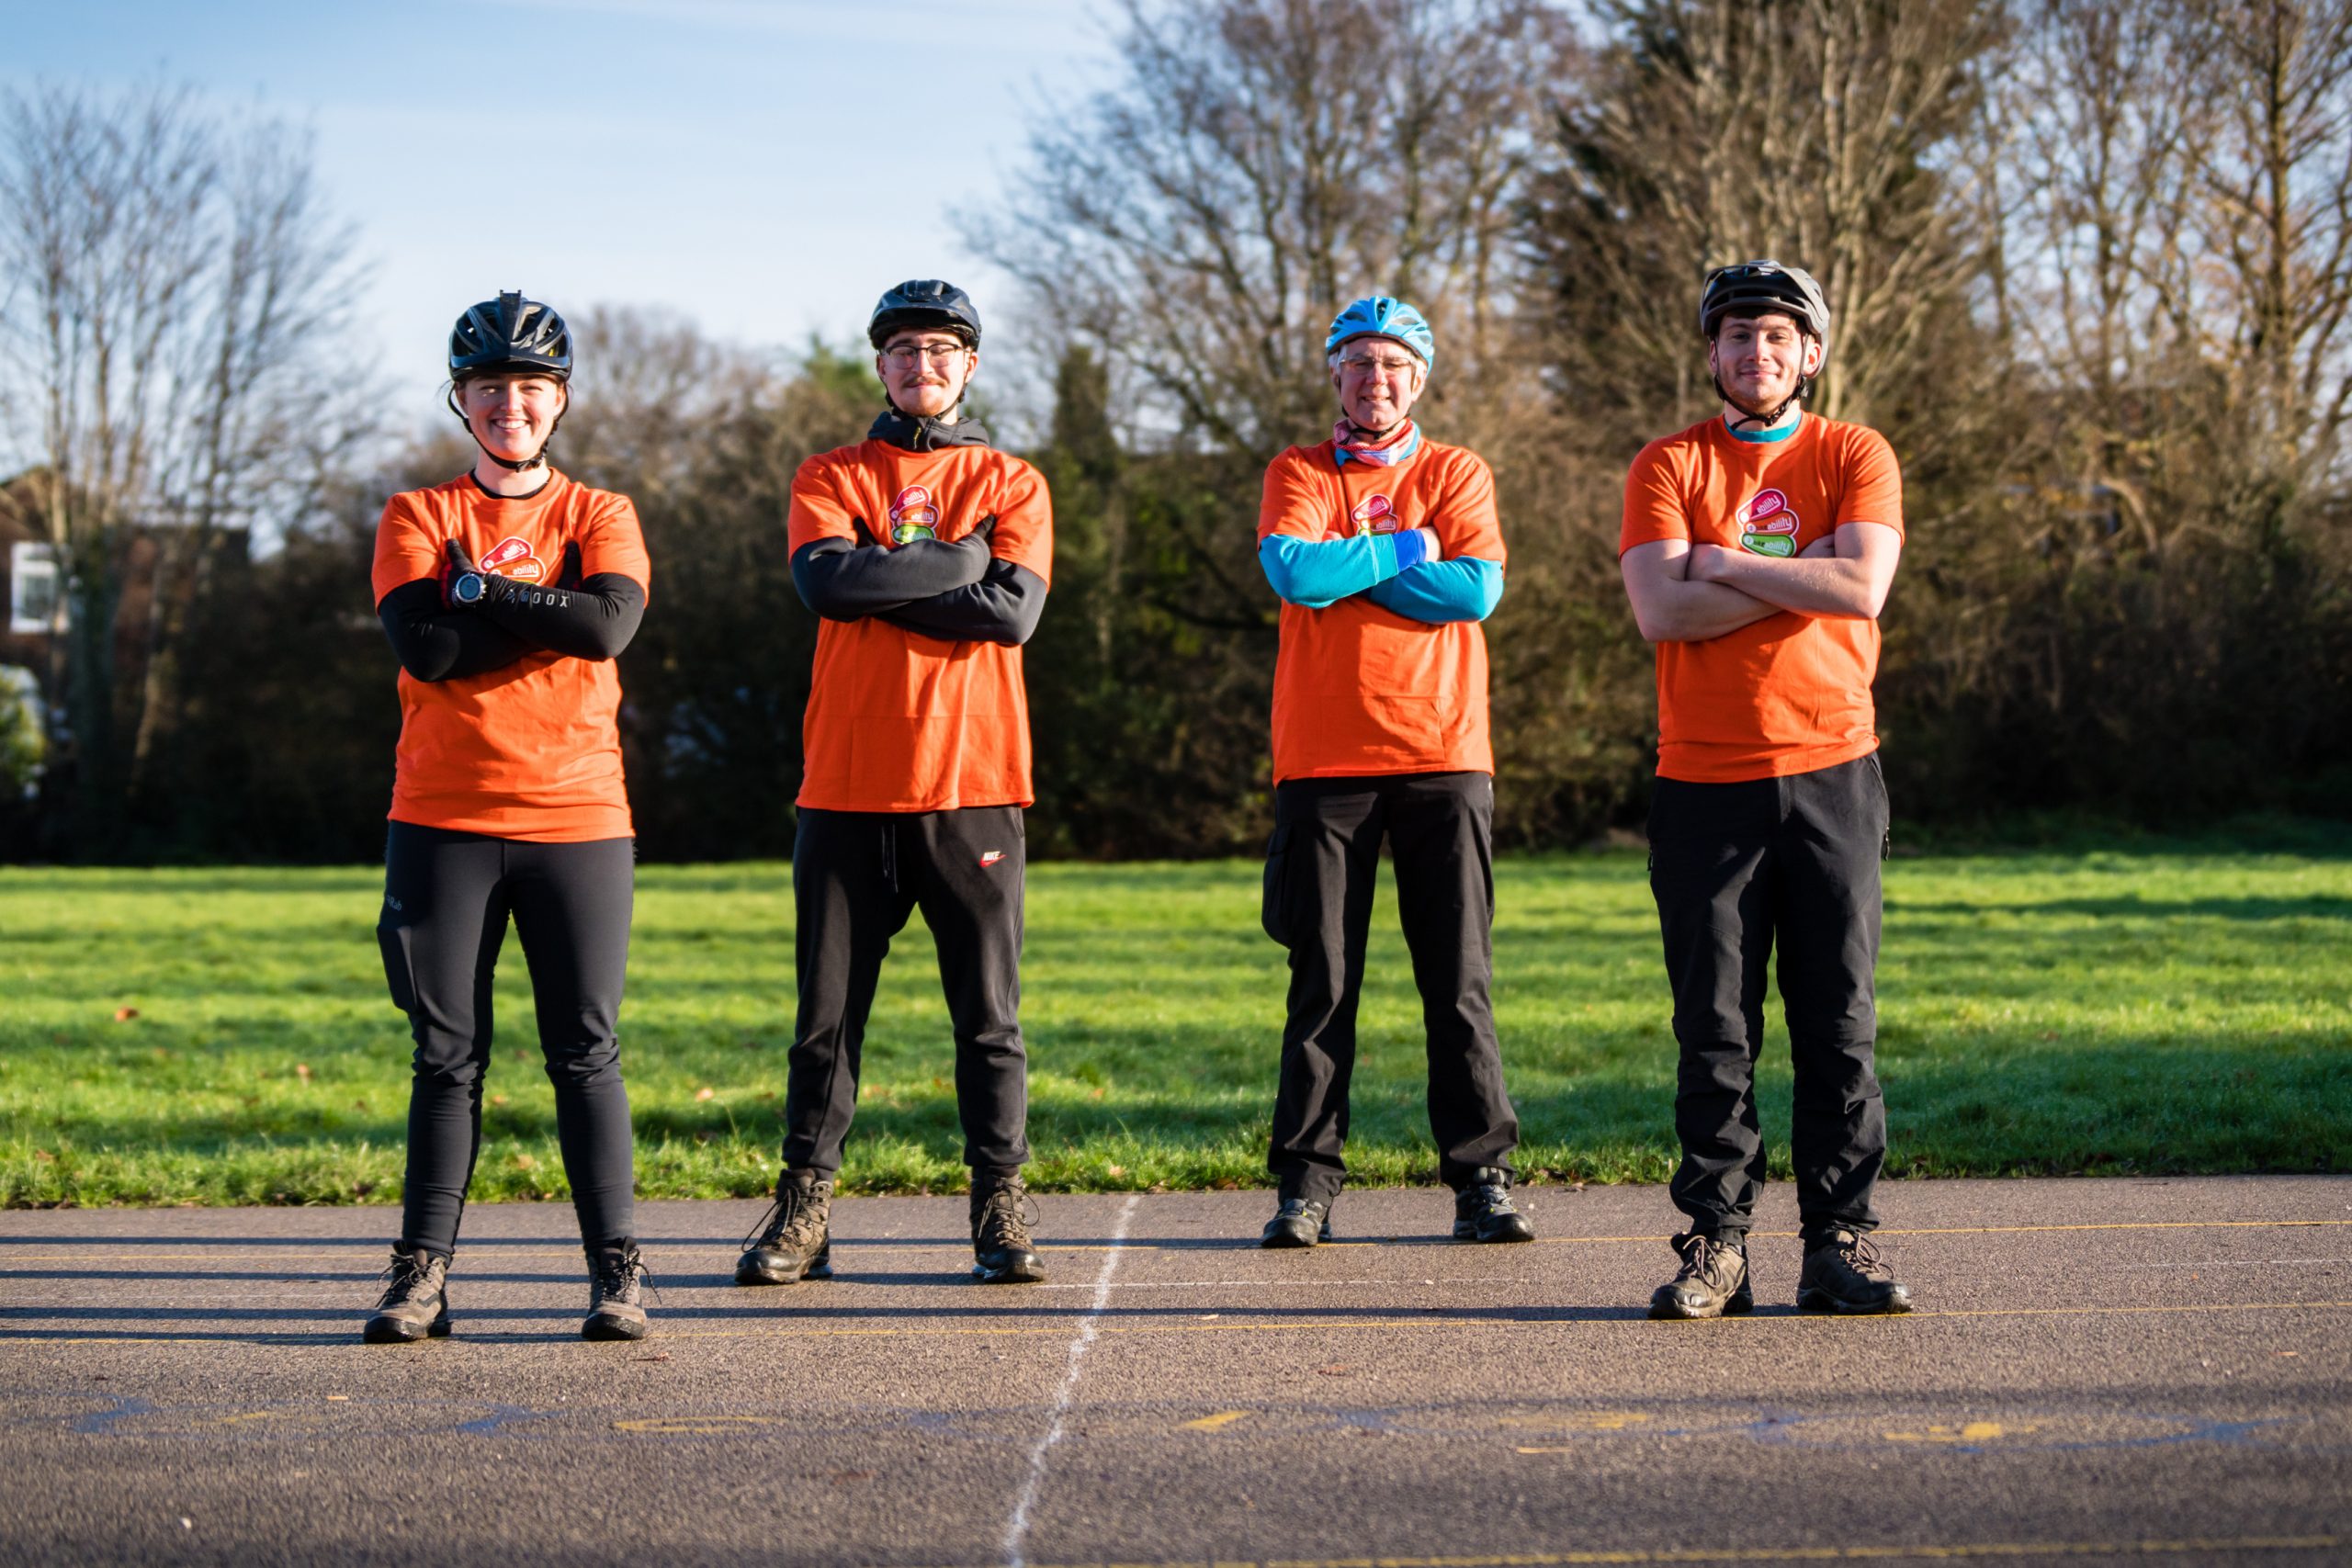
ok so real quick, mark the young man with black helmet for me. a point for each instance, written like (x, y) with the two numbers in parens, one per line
(927, 553)
(1387, 552)
(507, 593)
(1758, 548)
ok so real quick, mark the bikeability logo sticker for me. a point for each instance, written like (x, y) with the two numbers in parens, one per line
(1767, 525)
(512, 558)
(912, 515)
(1374, 515)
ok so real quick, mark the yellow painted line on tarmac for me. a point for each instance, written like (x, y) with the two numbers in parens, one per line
(1940, 1552)
(1333, 1326)
(855, 1245)
(1222, 1419)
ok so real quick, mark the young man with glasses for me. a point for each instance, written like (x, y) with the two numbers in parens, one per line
(1385, 551)
(926, 552)
(1758, 548)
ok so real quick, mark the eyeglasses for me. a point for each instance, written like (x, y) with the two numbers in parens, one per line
(906, 353)
(1385, 365)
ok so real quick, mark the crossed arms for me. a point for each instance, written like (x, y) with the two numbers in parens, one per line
(1400, 572)
(592, 616)
(1686, 592)
(959, 591)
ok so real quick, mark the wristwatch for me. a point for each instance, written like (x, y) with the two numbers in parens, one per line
(467, 589)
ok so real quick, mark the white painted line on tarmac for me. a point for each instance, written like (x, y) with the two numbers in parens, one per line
(2234, 1263)
(1017, 1532)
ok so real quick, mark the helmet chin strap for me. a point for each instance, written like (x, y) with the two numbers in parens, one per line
(1763, 420)
(512, 465)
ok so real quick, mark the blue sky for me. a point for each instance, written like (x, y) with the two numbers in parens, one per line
(767, 166)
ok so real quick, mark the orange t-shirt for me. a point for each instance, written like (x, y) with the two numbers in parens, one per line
(1360, 689)
(898, 721)
(1789, 694)
(530, 751)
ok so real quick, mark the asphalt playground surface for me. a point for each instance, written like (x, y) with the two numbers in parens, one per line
(2098, 1371)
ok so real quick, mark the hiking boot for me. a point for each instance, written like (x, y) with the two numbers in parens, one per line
(415, 1302)
(1300, 1222)
(1845, 1274)
(616, 1293)
(1712, 1281)
(1003, 1253)
(795, 1241)
(1482, 1210)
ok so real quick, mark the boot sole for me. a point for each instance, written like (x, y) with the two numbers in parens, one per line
(1467, 1230)
(1019, 1274)
(1671, 1310)
(1823, 1301)
(605, 1329)
(380, 1333)
(823, 1268)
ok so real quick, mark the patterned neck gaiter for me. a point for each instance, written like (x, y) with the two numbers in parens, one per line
(1348, 442)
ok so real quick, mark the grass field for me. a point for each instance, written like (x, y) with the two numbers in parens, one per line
(2158, 1008)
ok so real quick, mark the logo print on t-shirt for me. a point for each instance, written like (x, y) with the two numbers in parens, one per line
(1767, 525)
(992, 857)
(512, 557)
(913, 516)
(1374, 515)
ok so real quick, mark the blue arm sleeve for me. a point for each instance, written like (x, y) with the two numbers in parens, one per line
(1315, 573)
(1464, 588)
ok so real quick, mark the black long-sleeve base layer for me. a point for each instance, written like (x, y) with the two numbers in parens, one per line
(856, 875)
(1320, 867)
(447, 896)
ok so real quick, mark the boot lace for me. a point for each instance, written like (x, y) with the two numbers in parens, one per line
(1706, 1260)
(623, 1279)
(405, 1279)
(792, 1217)
(1006, 1214)
(1861, 1256)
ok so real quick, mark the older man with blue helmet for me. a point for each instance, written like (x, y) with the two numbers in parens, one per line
(1386, 553)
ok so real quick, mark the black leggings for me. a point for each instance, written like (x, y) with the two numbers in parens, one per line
(446, 897)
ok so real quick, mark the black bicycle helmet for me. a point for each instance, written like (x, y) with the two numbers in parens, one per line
(922, 302)
(513, 335)
(1753, 288)
(509, 333)
(1763, 287)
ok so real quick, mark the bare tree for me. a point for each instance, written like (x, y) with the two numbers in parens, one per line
(2275, 179)
(1261, 163)
(1821, 132)
(176, 361)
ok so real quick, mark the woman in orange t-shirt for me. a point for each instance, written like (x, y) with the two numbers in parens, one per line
(507, 593)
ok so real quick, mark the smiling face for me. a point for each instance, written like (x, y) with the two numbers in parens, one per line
(925, 370)
(1759, 360)
(513, 413)
(1377, 379)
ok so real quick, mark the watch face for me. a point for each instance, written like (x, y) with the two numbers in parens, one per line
(469, 588)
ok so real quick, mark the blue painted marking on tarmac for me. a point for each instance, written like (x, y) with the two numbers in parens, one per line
(502, 1417)
(100, 1421)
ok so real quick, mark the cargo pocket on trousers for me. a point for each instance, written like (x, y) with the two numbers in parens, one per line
(1274, 905)
(399, 974)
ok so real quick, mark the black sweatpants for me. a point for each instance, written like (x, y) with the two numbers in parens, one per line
(447, 898)
(1320, 867)
(856, 875)
(1736, 869)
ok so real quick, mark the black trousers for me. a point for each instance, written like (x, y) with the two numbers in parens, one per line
(1320, 867)
(1738, 869)
(446, 899)
(856, 875)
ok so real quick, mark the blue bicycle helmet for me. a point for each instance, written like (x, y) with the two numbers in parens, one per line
(1383, 315)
